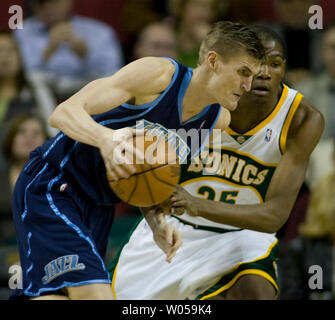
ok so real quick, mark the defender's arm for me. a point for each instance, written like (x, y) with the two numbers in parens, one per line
(304, 134)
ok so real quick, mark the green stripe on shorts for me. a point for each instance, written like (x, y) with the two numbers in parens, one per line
(264, 266)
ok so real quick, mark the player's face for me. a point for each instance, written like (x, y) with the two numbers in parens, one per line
(267, 81)
(232, 78)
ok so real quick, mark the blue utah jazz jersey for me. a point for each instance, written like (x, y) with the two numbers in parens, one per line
(82, 164)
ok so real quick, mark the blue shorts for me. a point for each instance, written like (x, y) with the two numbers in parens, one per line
(62, 237)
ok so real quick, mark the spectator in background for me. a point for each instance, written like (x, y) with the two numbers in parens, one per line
(314, 246)
(320, 90)
(135, 15)
(193, 21)
(302, 42)
(71, 50)
(156, 40)
(17, 93)
(24, 133)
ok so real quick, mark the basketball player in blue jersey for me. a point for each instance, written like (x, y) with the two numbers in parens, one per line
(63, 205)
(254, 172)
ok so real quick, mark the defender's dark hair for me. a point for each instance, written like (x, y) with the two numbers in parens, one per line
(267, 34)
(227, 37)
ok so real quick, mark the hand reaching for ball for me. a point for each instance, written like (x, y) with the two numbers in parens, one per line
(179, 202)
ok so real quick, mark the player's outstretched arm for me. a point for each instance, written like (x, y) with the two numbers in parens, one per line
(141, 80)
(304, 134)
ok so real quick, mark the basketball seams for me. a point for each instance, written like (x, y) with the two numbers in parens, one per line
(159, 179)
(141, 172)
(143, 189)
(134, 190)
(148, 187)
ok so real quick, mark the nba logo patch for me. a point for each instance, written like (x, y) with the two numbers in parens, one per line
(268, 135)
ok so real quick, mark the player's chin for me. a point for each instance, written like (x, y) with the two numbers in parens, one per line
(231, 105)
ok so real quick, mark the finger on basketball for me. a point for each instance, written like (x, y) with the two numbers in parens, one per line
(110, 171)
(180, 203)
(124, 163)
(176, 197)
(112, 175)
(121, 172)
(132, 151)
(138, 132)
(177, 210)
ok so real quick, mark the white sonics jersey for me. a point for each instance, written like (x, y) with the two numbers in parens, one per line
(237, 168)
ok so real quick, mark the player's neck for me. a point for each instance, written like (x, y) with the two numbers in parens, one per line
(196, 97)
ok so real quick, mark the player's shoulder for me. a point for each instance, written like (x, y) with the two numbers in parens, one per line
(307, 117)
(156, 63)
(144, 76)
(158, 67)
(308, 112)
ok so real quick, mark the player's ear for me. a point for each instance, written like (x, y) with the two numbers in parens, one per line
(212, 60)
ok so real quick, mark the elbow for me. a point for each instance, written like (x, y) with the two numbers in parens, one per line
(52, 121)
(267, 227)
(271, 228)
(55, 118)
(274, 222)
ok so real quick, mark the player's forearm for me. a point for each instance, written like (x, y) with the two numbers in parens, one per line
(153, 218)
(258, 217)
(78, 124)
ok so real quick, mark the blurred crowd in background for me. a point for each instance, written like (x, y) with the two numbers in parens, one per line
(64, 44)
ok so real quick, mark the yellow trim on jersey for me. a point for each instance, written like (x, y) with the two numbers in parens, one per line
(222, 180)
(267, 120)
(243, 272)
(288, 120)
(245, 154)
(113, 282)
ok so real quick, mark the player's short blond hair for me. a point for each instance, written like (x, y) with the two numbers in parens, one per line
(226, 38)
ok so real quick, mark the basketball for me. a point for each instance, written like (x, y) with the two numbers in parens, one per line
(155, 178)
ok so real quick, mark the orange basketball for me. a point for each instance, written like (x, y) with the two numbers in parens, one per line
(155, 178)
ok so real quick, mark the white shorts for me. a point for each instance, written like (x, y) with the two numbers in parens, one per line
(206, 264)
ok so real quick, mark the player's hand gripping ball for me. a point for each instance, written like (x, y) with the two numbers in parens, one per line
(156, 177)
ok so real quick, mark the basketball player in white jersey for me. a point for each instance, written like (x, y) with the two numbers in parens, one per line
(253, 172)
